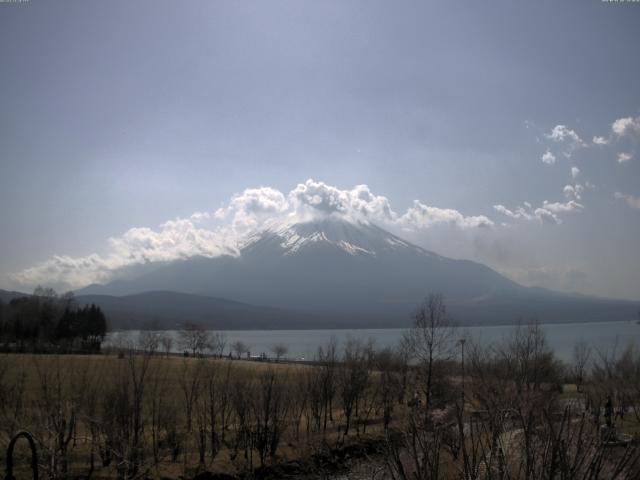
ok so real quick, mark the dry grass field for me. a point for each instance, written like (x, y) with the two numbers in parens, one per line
(516, 411)
(158, 416)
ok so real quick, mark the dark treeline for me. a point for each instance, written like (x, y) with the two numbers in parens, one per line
(48, 322)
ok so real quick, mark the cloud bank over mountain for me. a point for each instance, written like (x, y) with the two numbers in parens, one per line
(212, 233)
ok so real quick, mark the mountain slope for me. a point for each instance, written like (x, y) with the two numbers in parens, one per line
(360, 274)
(170, 310)
(6, 296)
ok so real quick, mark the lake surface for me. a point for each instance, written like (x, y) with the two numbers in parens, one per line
(303, 344)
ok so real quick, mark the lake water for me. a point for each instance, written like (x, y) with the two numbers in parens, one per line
(303, 344)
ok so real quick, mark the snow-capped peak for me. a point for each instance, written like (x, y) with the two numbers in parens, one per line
(351, 237)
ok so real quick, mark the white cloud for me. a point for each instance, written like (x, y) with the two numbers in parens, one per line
(424, 216)
(633, 202)
(549, 212)
(523, 212)
(527, 212)
(199, 217)
(559, 207)
(546, 216)
(174, 240)
(561, 133)
(253, 206)
(71, 272)
(573, 191)
(575, 171)
(548, 158)
(624, 157)
(314, 197)
(252, 209)
(568, 138)
(627, 125)
(359, 203)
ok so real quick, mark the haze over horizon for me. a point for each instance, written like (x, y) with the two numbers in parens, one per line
(136, 132)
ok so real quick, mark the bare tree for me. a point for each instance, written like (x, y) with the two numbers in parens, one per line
(157, 399)
(390, 366)
(244, 438)
(217, 344)
(528, 358)
(521, 430)
(279, 350)
(166, 340)
(216, 404)
(299, 397)
(270, 410)
(417, 453)
(353, 379)
(327, 359)
(313, 385)
(581, 357)
(12, 392)
(190, 382)
(149, 341)
(194, 338)
(123, 415)
(57, 406)
(240, 348)
(431, 338)
(138, 371)
(88, 413)
(616, 374)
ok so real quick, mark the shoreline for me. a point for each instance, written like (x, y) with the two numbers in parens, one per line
(472, 325)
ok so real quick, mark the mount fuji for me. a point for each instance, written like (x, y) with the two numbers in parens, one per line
(336, 272)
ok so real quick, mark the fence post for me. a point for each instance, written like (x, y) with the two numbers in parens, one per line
(34, 455)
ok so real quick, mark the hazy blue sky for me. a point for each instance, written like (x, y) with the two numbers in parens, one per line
(118, 115)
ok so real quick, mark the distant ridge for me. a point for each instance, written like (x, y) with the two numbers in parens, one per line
(170, 310)
(6, 295)
(165, 310)
(336, 272)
